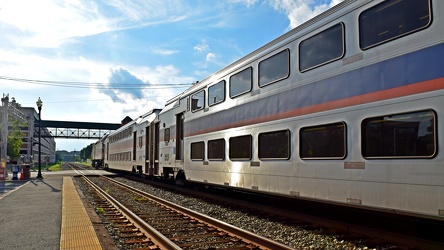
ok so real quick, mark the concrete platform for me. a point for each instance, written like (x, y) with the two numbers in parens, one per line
(45, 214)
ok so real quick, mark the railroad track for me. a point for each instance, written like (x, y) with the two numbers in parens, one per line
(146, 221)
(395, 233)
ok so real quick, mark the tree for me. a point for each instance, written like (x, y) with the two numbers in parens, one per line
(76, 158)
(59, 157)
(85, 153)
(15, 138)
(15, 104)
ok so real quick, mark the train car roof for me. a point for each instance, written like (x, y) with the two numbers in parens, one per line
(171, 104)
(149, 116)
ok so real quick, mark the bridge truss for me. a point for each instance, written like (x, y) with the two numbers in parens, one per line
(75, 130)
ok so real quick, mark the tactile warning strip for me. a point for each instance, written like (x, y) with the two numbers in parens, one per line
(77, 229)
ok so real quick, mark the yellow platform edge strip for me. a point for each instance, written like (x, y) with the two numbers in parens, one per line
(77, 230)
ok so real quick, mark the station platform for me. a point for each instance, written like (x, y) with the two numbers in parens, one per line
(45, 213)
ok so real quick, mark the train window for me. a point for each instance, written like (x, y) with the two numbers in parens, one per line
(167, 135)
(216, 150)
(392, 19)
(216, 93)
(241, 83)
(322, 48)
(407, 135)
(240, 147)
(326, 141)
(274, 68)
(198, 101)
(274, 145)
(197, 151)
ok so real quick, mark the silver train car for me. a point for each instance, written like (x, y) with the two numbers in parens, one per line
(98, 153)
(344, 109)
(125, 149)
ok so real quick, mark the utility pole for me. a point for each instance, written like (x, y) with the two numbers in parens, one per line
(4, 134)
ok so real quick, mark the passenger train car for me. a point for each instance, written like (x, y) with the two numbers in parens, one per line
(133, 147)
(98, 153)
(346, 108)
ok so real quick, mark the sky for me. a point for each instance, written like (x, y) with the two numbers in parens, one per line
(100, 61)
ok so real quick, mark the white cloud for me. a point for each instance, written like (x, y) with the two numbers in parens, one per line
(48, 24)
(67, 103)
(300, 11)
(211, 57)
(142, 10)
(202, 47)
(164, 52)
(248, 3)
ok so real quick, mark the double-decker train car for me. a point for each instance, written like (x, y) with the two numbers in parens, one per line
(344, 108)
(134, 146)
(98, 152)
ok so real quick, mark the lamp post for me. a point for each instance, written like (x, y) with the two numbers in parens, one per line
(39, 106)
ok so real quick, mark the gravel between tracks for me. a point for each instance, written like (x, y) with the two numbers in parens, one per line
(296, 237)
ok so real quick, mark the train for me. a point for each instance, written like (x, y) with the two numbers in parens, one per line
(346, 108)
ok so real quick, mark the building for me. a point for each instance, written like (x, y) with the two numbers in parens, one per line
(30, 147)
(29, 152)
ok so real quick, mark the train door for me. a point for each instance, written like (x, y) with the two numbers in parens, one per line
(179, 136)
(155, 148)
(105, 166)
(148, 155)
(134, 145)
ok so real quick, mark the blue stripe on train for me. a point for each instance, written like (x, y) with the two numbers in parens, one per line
(415, 67)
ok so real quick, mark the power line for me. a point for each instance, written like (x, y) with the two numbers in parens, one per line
(96, 85)
(89, 100)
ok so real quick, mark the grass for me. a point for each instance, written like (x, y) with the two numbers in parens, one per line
(51, 167)
(100, 210)
(56, 166)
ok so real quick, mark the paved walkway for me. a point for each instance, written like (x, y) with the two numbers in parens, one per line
(31, 214)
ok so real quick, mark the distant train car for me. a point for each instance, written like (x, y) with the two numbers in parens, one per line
(98, 153)
(125, 148)
(345, 109)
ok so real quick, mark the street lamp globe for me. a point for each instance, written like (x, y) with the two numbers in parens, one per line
(39, 103)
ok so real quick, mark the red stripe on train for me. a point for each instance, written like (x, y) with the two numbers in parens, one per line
(411, 89)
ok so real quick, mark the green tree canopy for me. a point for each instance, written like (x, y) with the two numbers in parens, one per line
(15, 137)
(85, 153)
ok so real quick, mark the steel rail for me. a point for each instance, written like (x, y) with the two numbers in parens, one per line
(155, 236)
(249, 237)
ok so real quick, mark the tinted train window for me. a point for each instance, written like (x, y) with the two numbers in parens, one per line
(274, 145)
(197, 151)
(322, 48)
(198, 101)
(392, 19)
(274, 68)
(216, 93)
(323, 141)
(167, 135)
(240, 148)
(409, 135)
(216, 150)
(241, 82)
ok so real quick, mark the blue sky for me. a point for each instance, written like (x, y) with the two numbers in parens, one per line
(104, 60)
